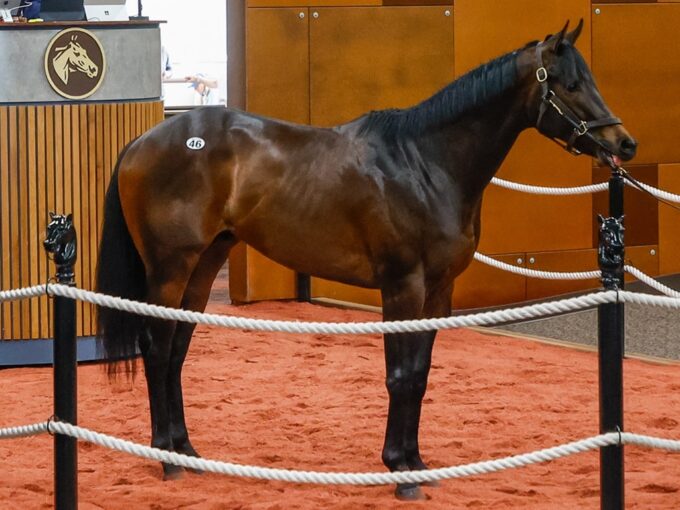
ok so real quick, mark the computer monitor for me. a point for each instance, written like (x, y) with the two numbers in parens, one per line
(9, 8)
(62, 10)
(106, 10)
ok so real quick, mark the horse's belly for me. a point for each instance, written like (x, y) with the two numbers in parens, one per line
(325, 253)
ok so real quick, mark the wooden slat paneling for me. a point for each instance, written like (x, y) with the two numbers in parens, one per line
(56, 158)
(5, 239)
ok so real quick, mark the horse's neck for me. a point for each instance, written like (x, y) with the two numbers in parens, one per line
(474, 146)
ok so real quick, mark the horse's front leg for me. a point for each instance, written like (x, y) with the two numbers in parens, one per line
(437, 304)
(407, 362)
(408, 357)
(402, 300)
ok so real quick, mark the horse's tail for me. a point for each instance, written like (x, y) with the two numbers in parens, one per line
(120, 272)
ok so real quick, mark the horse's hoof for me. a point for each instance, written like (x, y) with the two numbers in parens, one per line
(409, 492)
(172, 472)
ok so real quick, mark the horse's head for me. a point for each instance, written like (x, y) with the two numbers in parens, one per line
(61, 239)
(570, 108)
(77, 58)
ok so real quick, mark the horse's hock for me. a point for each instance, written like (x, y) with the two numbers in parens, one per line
(333, 63)
(58, 146)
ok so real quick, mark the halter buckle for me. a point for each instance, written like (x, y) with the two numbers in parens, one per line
(541, 74)
(582, 128)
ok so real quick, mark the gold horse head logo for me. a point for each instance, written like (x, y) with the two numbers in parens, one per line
(73, 58)
(75, 63)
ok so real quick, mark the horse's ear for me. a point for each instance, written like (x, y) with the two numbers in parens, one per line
(573, 35)
(69, 218)
(600, 219)
(559, 37)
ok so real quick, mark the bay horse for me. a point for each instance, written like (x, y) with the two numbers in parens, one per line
(390, 200)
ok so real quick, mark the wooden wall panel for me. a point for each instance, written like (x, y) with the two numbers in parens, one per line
(575, 260)
(641, 209)
(482, 285)
(637, 73)
(277, 63)
(277, 84)
(366, 59)
(669, 219)
(52, 158)
(644, 258)
(347, 293)
(511, 221)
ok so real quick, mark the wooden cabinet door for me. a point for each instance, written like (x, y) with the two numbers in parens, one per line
(512, 221)
(481, 285)
(277, 85)
(370, 58)
(644, 258)
(635, 60)
(561, 261)
(669, 219)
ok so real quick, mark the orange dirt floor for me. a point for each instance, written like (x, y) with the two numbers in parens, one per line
(317, 402)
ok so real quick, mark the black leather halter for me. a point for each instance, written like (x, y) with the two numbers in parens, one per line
(581, 127)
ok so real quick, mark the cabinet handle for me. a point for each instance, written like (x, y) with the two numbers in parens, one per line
(532, 260)
(315, 15)
(520, 261)
(447, 13)
(301, 15)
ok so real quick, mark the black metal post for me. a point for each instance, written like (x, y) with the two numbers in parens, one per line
(611, 347)
(139, 16)
(304, 287)
(61, 241)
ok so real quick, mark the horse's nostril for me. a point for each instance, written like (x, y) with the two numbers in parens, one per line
(628, 146)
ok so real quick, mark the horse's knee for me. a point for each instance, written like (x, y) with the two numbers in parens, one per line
(409, 382)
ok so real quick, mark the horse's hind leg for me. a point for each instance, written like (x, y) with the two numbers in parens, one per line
(166, 286)
(195, 298)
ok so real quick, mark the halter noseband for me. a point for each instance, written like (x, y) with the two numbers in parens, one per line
(581, 127)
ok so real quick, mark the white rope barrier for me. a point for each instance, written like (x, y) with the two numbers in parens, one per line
(579, 190)
(533, 273)
(339, 328)
(655, 284)
(545, 190)
(586, 275)
(23, 431)
(335, 478)
(25, 293)
(658, 193)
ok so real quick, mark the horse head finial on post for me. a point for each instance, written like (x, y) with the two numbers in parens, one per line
(62, 242)
(610, 252)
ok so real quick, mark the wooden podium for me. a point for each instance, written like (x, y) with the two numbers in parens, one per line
(72, 95)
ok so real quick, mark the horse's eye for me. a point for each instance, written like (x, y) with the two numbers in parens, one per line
(572, 87)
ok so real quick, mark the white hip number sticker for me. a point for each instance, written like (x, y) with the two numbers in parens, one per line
(195, 143)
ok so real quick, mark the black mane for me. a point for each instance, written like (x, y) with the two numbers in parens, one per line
(471, 90)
